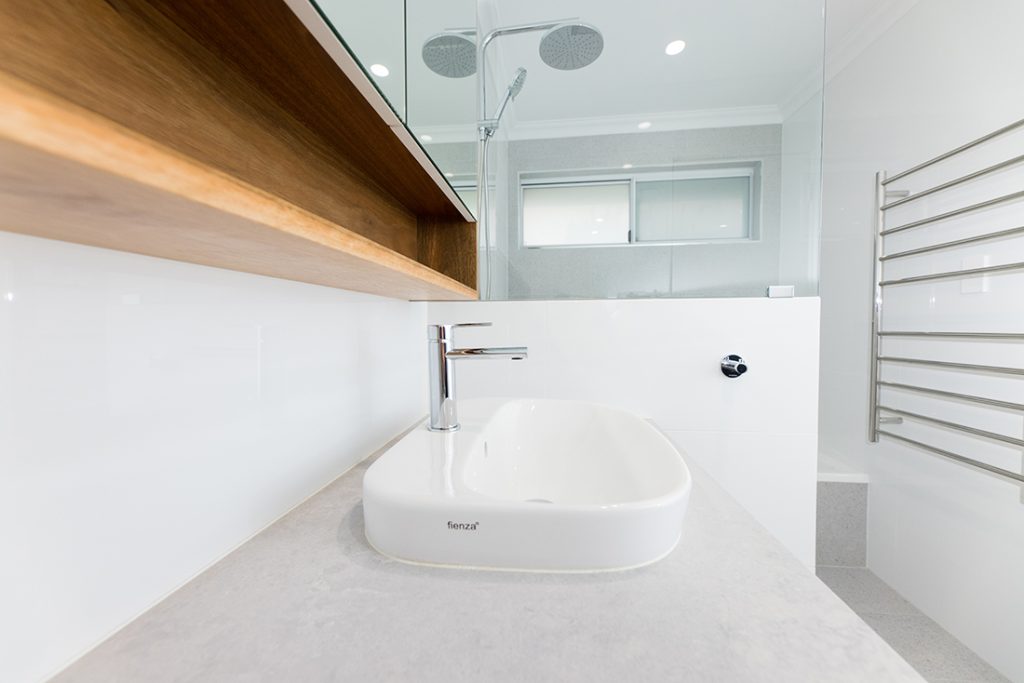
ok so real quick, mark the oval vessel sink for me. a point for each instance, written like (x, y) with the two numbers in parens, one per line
(529, 484)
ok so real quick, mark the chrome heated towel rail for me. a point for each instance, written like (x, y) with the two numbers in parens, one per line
(887, 198)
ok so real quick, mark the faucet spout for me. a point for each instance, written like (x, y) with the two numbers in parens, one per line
(441, 356)
(497, 352)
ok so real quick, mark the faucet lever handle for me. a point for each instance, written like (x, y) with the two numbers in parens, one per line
(439, 332)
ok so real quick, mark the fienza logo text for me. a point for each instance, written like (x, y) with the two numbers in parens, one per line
(463, 526)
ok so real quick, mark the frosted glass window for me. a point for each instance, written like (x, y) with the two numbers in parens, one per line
(693, 209)
(576, 214)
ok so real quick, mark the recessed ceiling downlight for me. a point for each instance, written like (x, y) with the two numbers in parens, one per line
(426, 138)
(380, 70)
(643, 125)
(675, 47)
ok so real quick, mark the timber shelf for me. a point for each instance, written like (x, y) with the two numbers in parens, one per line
(187, 130)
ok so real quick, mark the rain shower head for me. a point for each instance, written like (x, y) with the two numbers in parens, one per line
(567, 45)
(451, 54)
(571, 46)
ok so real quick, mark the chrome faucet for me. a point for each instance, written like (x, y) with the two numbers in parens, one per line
(442, 353)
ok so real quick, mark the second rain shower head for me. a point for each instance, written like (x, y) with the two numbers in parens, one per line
(451, 54)
(571, 46)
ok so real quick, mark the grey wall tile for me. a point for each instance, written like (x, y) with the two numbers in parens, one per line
(842, 524)
(742, 269)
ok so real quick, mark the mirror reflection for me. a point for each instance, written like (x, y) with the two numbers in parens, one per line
(647, 149)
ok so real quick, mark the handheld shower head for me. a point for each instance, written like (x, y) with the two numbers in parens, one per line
(571, 46)
(516, 86)
(511, 92)
(451, 54)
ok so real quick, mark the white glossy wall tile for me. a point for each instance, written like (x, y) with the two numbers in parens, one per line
(155, 414)
(660, 358)
(947, 537)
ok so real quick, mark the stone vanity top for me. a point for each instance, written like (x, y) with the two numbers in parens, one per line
(309, 600)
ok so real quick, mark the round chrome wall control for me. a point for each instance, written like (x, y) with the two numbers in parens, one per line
(733, 365)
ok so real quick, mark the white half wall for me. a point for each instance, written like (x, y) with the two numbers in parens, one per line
(155, 414)
(757, 435)
(948, 538)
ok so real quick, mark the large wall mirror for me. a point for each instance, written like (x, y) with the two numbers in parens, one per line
(645, 149)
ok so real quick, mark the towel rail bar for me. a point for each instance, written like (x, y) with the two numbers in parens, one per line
(1009, 440)
(954, 182)
(1019, 478)
(954, 274)
(971, 208)
(996, 369)
(953, 335)
(953, 152)
(888, 197)
(970, 398)
(989, 236)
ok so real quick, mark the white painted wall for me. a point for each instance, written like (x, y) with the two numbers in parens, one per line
(950, 539)
(154, 415)
(756, 435)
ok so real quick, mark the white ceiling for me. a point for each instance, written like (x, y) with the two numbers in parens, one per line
(745, 60)
(739, 54)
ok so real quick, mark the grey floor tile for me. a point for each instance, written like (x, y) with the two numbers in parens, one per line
(937, 655)
(864, 592)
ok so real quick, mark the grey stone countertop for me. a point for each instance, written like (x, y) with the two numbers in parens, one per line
(309, 600)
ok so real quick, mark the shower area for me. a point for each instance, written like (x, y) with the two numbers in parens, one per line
(612, 151)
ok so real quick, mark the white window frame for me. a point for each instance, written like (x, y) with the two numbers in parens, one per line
(740, 169)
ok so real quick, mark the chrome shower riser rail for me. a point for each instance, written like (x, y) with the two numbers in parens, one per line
(989, 236)
(956, 181)
(481, 54)
(954, 274)
(1009, 440)
(953, 152)
(1014, 476)
(970, 398)
(953, 366)
(1003, 199)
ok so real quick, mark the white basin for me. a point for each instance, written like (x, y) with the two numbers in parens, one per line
(529, 484)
